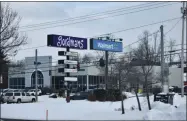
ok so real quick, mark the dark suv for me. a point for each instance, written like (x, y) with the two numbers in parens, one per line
(80, 96)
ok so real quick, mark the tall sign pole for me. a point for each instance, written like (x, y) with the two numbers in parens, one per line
(106, 45)
(182, 51)
(36, 75)
(106, 69)
(62, 41)
(67, 66)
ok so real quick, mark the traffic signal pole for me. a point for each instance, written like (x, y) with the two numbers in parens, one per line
(106, 69)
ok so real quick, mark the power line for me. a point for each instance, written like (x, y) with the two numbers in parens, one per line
(142, 26)
(173, 26)
(94, 19)
(81, 67)
(94, 14)
(168, 20)
(83, 16)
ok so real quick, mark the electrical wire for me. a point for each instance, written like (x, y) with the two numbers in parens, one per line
(124, 47)
(79, 17)
(93, 19)
(173, 27)
(168, 20)
(93, 64)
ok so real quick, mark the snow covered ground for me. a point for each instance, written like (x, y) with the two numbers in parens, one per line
(58, 109)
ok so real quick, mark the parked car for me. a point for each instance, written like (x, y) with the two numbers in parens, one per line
(80, 96)
(32, 92)
(18, 97)
(5, 91)
(53, 95)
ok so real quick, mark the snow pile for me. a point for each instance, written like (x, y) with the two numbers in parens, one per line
(128, 94)
(58, 109)
(161, 111)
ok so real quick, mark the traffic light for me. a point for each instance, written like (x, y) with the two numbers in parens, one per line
(78, 66)
(101, 62)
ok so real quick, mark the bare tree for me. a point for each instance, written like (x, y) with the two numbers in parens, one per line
(145, 56)
(77, 58)
(125, 72)
(171, 49)
(10, 39)
(87, 58)
(121, 71)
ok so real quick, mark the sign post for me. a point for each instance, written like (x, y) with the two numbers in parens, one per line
(67, 42)
(108, 45)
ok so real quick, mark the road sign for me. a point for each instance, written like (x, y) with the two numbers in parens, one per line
(70, 62)
(67, 62)
(64, 53)
(70, 70)
(103, 45)
(66, 41)
(70, 78)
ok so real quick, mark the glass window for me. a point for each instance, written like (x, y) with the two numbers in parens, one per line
(11, 81)
(16, 94)
(15, 81)
(23, 94)
(9, 94)
(19, 81)
(23, 81)
(22, 86)
(91, 80)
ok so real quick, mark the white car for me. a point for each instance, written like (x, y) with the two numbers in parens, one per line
(32, 92)
(6, 90)
(18, 97)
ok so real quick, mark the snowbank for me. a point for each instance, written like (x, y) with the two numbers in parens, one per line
(128, 94)
(161, 111)
(58, 109)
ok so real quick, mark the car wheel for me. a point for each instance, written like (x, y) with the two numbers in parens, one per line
(19, 101)
(33, 100)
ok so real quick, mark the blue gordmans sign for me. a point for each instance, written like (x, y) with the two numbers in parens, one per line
(106, 45)
(66, 41)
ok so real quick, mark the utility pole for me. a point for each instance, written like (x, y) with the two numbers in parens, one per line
(186, 37)
(182, 51)
(162, 60)
(36, 75)
(1, 59)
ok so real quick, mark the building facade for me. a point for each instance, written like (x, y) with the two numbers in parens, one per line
(89, 76)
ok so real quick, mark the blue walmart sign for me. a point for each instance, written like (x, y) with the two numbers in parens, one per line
(106, 45)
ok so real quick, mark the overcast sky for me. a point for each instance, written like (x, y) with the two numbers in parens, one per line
(39, 12)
